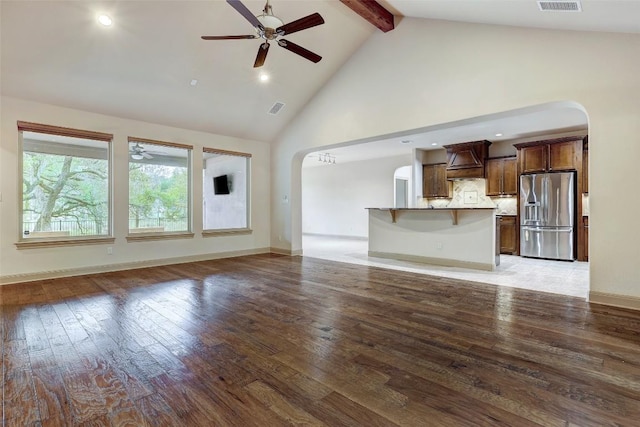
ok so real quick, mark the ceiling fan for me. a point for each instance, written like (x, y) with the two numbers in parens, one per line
(138, 152)
(270, 28)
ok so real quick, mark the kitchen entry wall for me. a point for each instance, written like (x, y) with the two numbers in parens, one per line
(335, 196)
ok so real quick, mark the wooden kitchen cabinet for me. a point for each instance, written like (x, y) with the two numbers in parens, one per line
(561, 154)
(467, 159)
(533, 159)
(502, 176)
(564, 155)
(508, 235)
(434, 181)
(585, 169)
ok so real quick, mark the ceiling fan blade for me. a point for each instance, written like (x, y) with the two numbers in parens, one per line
(229, 37)
(299, 50)
(146, 155)
(242, 9)
(262, 55)
(300, 24)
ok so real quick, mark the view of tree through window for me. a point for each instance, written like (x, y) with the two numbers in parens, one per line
(65, 186)
(158, 188)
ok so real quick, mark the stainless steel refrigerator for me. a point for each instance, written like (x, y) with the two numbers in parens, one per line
(547, 215)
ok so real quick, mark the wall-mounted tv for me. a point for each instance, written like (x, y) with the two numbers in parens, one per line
(221, 184)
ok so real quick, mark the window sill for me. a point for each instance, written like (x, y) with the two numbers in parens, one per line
(144, 237)
(228, 232)
(49, 243)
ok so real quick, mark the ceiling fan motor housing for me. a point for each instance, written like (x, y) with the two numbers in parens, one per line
(269, 23)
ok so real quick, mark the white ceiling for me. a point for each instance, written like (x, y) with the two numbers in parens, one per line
(140, 68)
(597, 15)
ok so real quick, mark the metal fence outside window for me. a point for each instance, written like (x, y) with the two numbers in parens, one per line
(94, 228)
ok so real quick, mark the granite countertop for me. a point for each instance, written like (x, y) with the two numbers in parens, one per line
(433, 209)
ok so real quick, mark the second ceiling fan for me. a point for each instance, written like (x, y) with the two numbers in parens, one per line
(270, 28)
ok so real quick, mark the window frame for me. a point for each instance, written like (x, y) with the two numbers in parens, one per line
(212, 232)
(55, 241)
(164, 235)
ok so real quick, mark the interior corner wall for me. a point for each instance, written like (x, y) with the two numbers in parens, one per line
(26, 263)
(428, 72)
(335, 197)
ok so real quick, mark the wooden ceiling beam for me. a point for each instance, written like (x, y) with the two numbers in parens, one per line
(373, 12)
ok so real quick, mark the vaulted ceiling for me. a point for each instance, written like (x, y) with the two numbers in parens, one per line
(141, 67)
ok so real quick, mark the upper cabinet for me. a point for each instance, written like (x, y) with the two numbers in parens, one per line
(434, 181)
(561, 154)
(502, 176)
(466, 160)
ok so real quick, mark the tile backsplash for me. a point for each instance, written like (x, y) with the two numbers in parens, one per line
(471, 193)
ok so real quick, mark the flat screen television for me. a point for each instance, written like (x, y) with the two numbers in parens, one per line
(221, 184)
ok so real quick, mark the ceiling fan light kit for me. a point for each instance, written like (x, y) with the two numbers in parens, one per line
(270, 28)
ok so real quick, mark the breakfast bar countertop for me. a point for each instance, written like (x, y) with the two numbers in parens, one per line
(431, 209)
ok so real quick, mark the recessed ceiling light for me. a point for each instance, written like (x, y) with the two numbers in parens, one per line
(406, 141)
(498, 134)
(193, 82)
(105, 20)
(264, 77)
(434, 143)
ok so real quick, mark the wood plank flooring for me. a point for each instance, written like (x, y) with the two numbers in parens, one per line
(270, 340)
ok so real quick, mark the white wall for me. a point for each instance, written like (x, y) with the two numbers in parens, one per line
(25, 262)
(224, 211)
(335, 197)
(431, 236)
(426, 73)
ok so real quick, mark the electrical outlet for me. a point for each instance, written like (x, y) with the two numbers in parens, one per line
(109, 250)
(439, 245)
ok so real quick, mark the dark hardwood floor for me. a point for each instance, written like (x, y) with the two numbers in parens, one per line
(272, 340)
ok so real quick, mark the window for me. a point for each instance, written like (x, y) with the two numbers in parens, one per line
(225, 187)
(159, 188)
(66, 194)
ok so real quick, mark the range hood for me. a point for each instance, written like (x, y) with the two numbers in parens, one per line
(466, 160)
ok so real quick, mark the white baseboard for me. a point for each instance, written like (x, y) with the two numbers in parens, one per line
(337, 236)
(52, 274)
(623, 301)
(434, 261)
(281, 251)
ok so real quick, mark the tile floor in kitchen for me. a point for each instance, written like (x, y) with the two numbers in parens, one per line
(567, 278)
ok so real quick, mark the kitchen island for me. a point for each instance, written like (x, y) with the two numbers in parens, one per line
(455, 237)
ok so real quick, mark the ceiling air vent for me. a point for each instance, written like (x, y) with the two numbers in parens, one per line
(560, 6)
(276, 108)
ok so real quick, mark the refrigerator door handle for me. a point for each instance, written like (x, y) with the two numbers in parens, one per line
(558, 229)
(545, 195)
